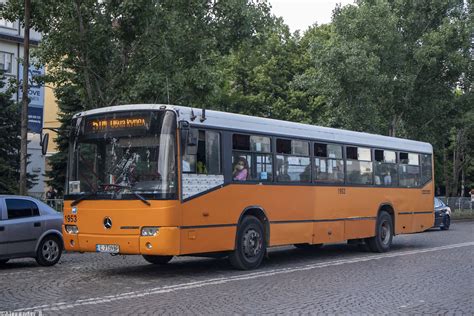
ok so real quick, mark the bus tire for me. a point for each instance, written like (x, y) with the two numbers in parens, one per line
(382, 240)
(161, 260)
(307, 246)
(250, 245)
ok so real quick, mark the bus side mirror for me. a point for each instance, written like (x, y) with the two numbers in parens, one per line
(192, 142)
(44, 143)
(184, 134)
(188, 138)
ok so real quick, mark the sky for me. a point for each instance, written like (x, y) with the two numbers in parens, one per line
(300, 14)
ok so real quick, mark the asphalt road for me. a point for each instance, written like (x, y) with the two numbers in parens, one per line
(430, 272)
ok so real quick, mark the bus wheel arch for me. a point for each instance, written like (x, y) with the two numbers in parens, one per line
(387, 207)
(384, 232)
(259, 213)
(250, 244)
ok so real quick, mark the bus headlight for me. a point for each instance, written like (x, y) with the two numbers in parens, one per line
(150, 231)
(72, 229)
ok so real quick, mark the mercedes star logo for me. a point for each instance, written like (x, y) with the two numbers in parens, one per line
(107, 223)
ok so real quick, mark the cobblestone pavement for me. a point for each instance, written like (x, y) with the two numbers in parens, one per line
(427, 273)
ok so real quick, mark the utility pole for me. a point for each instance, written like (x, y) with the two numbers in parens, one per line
(24, 106)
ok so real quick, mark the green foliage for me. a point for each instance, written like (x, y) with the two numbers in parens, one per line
(394, 67)
(388, 63)
(102, 53)
(10, 141)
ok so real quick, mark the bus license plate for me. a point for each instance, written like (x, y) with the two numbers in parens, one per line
(107, 248)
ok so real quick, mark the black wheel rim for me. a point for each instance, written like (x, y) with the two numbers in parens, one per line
(252, 244)
(385, 232)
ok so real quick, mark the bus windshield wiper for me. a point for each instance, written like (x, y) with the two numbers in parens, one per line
(83, 197)
(141, 198)
(86, 196)
(105, 189)
(122, 186)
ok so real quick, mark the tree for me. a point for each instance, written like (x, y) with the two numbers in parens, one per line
(388, 62)
(103, 53)
(10, 141)
(393, 67)
(256, 75)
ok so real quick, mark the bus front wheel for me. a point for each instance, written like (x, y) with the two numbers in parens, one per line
(157, 259)
(382, 240)
(250, 244)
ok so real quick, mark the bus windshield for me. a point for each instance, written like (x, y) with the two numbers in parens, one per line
(115, 154)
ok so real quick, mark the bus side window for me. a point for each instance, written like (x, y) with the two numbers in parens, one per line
(207, 159)
(385, 168)
(359, 165)
(328, 163)
(251, 158)
(409, 170)
(293, 161)
(426, 169)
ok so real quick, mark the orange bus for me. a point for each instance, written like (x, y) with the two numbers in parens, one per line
(163, 181)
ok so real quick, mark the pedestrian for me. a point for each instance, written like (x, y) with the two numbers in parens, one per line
(50, 196)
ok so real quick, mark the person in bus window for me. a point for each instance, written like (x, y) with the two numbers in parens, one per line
(241, 170)
(377, 180)
(387, 179)
(305, 176)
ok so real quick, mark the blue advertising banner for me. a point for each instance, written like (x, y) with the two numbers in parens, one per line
(35, 119)
(36, 95)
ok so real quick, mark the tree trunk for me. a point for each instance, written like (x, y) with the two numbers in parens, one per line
(392, 131)
(458, 158)
(24, 107)
(84, 55)
(447, 186)
(454, 180)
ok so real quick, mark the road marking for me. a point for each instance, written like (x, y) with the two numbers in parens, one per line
(217, 281)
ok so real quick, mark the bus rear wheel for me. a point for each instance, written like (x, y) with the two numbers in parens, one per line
(250, 245)
(382, 240)
(161, 260)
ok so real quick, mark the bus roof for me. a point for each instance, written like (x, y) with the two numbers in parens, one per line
(253, 124)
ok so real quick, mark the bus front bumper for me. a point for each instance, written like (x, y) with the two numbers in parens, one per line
(165, 242)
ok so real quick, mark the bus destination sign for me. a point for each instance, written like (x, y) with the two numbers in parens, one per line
(97, 125)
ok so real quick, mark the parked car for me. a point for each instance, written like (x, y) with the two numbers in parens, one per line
(29, 228)
(442, 215)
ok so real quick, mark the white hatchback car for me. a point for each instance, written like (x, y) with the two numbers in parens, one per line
(29, 228)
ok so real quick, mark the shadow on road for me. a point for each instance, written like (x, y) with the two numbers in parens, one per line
(28, 263)
(279, 257)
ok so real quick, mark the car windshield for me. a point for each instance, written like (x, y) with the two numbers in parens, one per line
(438, 202)
(124, 152)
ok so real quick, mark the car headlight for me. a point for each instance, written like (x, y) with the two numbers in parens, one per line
(72, 229)
(150, 231)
